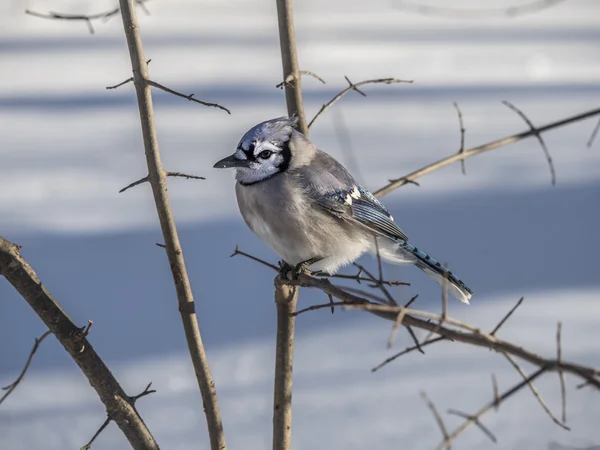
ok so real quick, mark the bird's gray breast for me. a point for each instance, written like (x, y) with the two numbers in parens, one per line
(278, 212)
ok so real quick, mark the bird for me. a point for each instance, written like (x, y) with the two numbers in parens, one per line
(310, 210)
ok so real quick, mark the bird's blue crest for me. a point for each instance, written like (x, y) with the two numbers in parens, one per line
(276, 130)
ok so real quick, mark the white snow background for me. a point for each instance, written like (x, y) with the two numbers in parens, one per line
(67, 145)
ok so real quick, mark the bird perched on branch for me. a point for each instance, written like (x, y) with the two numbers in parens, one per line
(308, 208)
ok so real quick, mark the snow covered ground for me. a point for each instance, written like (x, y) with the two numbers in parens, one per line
(67, 145)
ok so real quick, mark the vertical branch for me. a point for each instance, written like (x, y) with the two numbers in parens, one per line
(158, 181)
(289, 59)
(286, 297)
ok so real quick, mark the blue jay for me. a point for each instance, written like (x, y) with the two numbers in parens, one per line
(308, 208)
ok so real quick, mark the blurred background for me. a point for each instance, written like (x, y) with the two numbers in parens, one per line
(67, 145)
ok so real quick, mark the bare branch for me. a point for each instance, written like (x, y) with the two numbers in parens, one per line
(316, 307)
(485, 13)
(237, 251)
(477, 416)
(87, 18)
(133, 399)
(462, 136)
(505, 318)
(495, 391)
(12, 386)
(438, 418)
(96, 434)
(472, 335)
(128, 80)
(354, 87)
(590, 141)
(168, 174)
(476, 421)
(561, 376)
(290, 78)
(538, 137)
(393, 184)
(189, 97)
(118, 405)
(286, 298)
(358, 278)
(289, 62)
(407, 350)
(535, 392)
(158, 181)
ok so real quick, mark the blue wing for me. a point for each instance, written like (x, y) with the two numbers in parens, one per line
(363, 207)
(334, 189)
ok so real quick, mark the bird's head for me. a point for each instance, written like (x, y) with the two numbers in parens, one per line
(269, 148)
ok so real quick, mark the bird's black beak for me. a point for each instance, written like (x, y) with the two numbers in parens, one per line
(231, 161)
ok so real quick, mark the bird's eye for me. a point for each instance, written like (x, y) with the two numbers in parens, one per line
(265, 154)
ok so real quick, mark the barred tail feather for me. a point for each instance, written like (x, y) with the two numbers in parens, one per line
(405, 252)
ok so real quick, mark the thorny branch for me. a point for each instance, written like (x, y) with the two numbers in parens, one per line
(538, 137)
(456, 13)
(436, 415)
(394, 184)
(168, 174)
(108, 419)
(119, 406)
(358, 277)
(87, 18)
(12, 386)
(189, 97)
(354, 87)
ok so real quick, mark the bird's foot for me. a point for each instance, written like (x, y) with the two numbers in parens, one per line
(292, 273)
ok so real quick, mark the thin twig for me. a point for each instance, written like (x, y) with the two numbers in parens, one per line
(12, 386)
(538, 137)
(590, 141)
(96, 434)
(495, 392)
(168, 174)
(438, 418)
(133, 399)
(158, 181)
(316, 307)
(486, 13)
(394, 184)
(476, 421)
(477, 416)
(290, 78)
(87, 18)
(535, 392)
(189, 97)
(561, 376)
(354, 87)
(358, 278)
(462, 137)
(505, 318)
(407, 350)
(395, 328)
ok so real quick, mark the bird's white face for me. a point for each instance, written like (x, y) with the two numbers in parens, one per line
(260, 160)
(263, 152)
